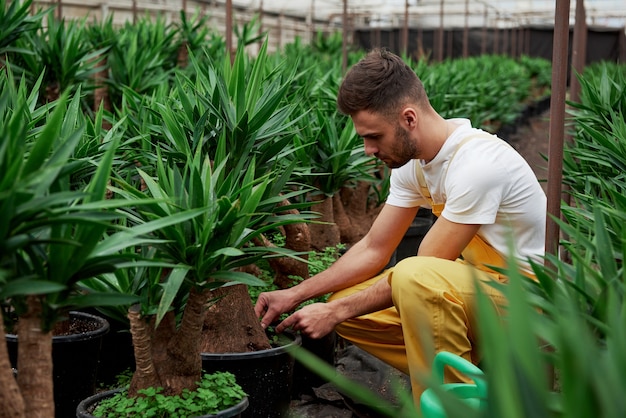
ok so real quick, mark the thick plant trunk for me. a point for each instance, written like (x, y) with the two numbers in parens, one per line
(325, 234)
(10, 396)
(145, 374)
(230, 325)
(285, 268)
(167, 357)
(53, 92)
(184, 366)
(347, 229)
(182, 58)
(359, 210)
(297, 238)
(34, 357)
(101, 92)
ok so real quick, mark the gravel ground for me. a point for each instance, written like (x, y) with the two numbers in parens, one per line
(531, 140)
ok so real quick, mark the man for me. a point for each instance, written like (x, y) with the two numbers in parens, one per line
(483, 193)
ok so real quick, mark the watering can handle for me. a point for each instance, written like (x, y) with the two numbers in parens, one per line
(445, 358)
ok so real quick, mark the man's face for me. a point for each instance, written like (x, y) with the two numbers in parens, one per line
(388, 141)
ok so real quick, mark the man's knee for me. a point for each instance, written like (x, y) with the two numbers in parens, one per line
(410, 272)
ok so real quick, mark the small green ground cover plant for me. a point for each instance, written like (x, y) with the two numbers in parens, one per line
(318, 261)
(216, 392)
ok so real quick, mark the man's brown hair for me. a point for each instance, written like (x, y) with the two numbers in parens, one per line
(380, 82)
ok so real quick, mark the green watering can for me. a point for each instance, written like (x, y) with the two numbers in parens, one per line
(474, 394)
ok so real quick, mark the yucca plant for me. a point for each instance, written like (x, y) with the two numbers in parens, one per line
(102, 36)
(333, 153)
(248, 32)
(249, 106)
(52, 234)
(595, 162)
(234, 191)
(489, 90)
(15, 21)
(572, 319)
(61, 51)
(204, 251)
(143, 57)
(193, 35)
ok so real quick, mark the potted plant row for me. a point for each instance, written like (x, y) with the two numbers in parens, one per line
(199, 213)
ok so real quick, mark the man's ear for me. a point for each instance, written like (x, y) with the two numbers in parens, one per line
(409, 117)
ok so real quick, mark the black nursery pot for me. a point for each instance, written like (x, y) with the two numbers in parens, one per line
(305, 380)
(413, 237)
(75, 360)
(266, 376)
(86, 407)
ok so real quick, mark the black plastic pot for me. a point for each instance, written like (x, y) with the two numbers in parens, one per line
(266, 376)
(414, 236)
(74, 360)
(117, 354)
(85, 407)
(305, 380)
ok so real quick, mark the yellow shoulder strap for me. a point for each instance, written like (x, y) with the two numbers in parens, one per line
(437, 208)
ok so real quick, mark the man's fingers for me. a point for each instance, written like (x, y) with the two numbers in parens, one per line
(289, 322)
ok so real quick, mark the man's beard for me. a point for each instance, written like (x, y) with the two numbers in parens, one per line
(404, 152)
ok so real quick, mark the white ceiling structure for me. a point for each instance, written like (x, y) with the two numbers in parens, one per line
(603, 13)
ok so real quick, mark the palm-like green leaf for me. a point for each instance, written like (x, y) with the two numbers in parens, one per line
(15, 20)
(52, 234)
(334, 157)
(62, 52)
(143, 57)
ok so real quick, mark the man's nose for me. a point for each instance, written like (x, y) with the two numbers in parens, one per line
(370, 149)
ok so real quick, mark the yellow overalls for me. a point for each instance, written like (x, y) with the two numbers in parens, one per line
(432, 297)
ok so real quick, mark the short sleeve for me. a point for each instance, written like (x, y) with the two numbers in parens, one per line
(404, 188)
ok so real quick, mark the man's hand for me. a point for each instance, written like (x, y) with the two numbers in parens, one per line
(270, 305)
(314, 321)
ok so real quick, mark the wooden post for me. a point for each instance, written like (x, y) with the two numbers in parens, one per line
(483, 45)
(260, 24)
(344, 40)
(496, 33)
(405, 29)
(440, 34)
(466, 31)
(312, 21)
(579, 49)
(557, 123)
(229, 29)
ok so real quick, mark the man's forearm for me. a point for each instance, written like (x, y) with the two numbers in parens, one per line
(372, 299)
(357, 265)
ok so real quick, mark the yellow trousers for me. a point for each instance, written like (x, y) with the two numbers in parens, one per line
(432, 297)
